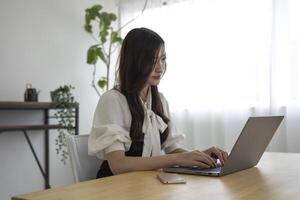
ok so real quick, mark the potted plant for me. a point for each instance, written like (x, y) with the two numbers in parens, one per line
(63, 100)
(100, 25)
(107, 40)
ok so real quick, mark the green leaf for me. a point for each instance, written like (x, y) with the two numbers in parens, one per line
(94, 11)
(105, 17)
(66, 89)
(92, 55)
(103, 35)
(91, 14)
(112, 17)
(87, 25)
(105, 21)
(88, 28)
(100, 54)
(102, 82)
(115, 38)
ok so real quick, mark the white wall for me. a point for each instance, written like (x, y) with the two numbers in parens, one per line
(43, 43)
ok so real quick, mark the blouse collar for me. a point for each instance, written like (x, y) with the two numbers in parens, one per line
(152, 127)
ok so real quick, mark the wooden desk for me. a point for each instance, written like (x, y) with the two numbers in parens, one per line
(277, 176)
(46, 126)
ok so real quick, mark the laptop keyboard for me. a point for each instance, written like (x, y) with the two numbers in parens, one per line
(218, 165)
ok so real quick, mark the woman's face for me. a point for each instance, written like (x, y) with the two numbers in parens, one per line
(159, 68)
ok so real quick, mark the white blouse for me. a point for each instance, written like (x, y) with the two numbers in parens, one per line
(111, 126)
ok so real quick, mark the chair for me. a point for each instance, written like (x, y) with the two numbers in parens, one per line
(84, 167)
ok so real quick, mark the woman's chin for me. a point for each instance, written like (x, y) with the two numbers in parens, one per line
(155, 82)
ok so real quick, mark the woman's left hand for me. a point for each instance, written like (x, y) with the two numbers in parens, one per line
(215, 152)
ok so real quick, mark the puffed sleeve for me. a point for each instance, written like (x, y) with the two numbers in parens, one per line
(110, 130)
(175, 135)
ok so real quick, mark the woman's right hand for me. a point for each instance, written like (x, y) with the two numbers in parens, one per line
(195, 158)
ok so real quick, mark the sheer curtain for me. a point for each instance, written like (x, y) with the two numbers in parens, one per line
(227, 60)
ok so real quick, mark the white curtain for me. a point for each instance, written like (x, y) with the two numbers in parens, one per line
(227, 60)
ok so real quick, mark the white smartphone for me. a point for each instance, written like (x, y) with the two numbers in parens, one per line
(169, 178)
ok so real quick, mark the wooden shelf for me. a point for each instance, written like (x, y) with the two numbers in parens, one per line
(28, 127)
(20, 105)
(46, 107)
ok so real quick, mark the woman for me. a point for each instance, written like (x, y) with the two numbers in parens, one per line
(132, 126)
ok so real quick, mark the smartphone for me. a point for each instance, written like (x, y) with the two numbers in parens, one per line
(169, 178)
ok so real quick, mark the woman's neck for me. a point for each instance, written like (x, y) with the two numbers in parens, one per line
(144, 93)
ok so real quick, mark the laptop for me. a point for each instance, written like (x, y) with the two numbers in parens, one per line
(246, 152)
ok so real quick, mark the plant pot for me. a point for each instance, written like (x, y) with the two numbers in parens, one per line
(54, 97)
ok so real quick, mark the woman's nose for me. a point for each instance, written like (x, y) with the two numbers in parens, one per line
(159, 67)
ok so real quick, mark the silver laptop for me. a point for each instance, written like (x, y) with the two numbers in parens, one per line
(246, 152)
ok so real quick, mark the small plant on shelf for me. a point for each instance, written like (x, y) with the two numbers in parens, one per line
(63, 100)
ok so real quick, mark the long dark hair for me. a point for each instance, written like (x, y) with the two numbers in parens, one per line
(137, 61)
